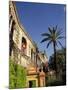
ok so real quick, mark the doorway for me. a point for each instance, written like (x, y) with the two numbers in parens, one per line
(32, 83)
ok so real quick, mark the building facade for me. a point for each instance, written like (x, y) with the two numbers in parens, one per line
(24, 51)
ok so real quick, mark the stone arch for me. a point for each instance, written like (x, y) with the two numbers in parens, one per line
(24, 45)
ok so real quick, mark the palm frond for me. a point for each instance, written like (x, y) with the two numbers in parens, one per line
(49, 43)
(50, 30)
(54, 35)
(45, 34)
(60, 37)
(60, 44)
(58, 33)
(54, 31)
(45, 39)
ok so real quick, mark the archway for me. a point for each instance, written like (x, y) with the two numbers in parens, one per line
(24, 45)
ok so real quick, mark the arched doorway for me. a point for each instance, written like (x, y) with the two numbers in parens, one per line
(24, 45)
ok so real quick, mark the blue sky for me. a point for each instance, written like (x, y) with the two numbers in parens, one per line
(37, 17)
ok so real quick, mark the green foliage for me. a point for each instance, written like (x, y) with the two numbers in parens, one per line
(61, 59)
(54, 83)
(11, 75)
(61, 67)
(21, 79)
(17, 75)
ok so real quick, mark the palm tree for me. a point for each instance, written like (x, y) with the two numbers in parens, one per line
(53, 37)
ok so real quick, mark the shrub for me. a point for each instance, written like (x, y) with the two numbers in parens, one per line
(17, 75)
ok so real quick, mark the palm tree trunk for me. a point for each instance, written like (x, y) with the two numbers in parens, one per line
(55, 65)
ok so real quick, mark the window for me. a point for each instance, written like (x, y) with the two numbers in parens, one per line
(24, 45)
(32, 55)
